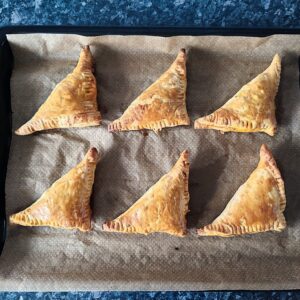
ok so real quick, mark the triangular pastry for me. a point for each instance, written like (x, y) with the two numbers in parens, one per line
(73, 102)
(163, 104)
(252, 108)
(162, 208)
(258, 204)
(66, 204)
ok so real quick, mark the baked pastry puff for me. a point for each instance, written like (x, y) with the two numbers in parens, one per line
(66, 204)
(163, 104)
(257, 206)
(162, 208)
(73, 102)
(252, 108)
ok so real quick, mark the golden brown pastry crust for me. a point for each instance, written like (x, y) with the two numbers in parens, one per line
(163, 104)
(252, 108)
(258, 204)
(66, 204)
(162, 208)
(73, 102)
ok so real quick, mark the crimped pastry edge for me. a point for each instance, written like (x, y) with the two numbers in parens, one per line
(20, 218)
(278, 225)
(117, 126)
(183, 165)
(84, 119)
(201, 123)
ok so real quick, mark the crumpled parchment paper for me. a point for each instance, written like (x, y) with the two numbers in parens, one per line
(47, 259)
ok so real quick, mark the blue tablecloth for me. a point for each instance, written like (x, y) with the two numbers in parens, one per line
(193, 13)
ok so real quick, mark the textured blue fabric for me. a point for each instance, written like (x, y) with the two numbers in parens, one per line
(204, 13)
(154, 295)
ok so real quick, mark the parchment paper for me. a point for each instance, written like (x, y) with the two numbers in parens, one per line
(51, 259)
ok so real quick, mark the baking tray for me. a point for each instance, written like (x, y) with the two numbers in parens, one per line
(6, 62)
